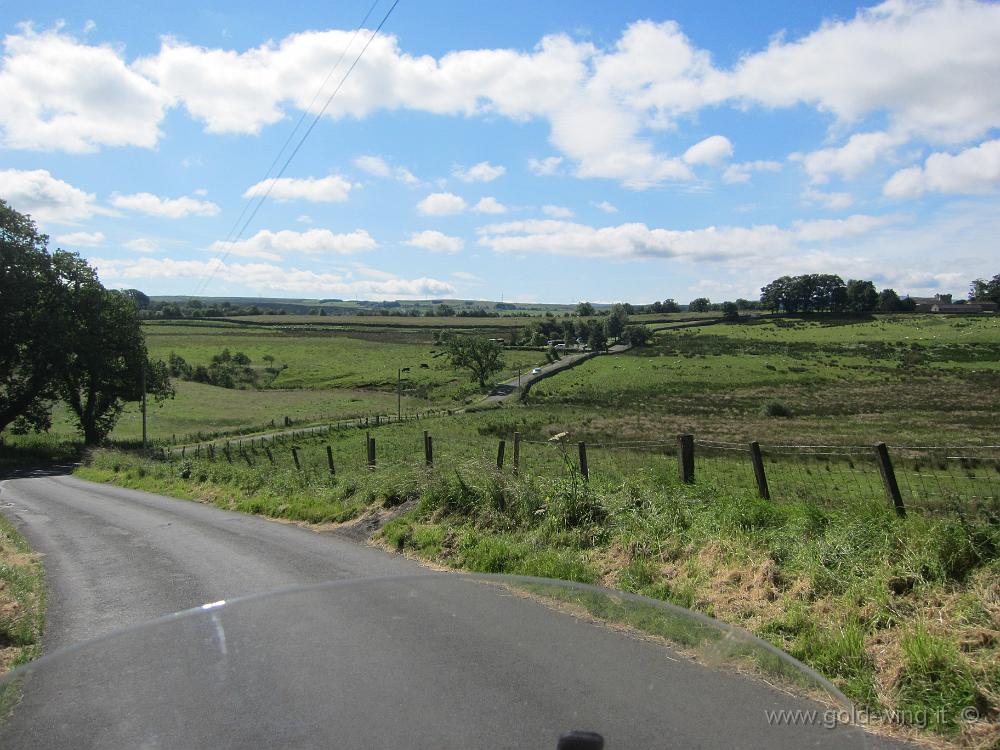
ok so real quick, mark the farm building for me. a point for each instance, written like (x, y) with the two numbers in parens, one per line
(968, 308)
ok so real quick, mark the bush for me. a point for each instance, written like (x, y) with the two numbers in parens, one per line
(776, 409)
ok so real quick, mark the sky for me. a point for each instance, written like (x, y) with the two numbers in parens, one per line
(525, 151)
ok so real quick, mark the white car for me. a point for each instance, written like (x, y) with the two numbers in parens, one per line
(537, 371)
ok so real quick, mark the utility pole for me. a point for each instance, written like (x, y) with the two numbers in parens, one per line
(399, 392)
(145, 442)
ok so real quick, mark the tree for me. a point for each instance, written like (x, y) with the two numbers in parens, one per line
(478, 354)
(861, 296)
(141, 300)
(34, 318)
(669, 306)
(636, 335)
(597, 336)
(104, 359)
(617, 320)
(585, 310)
(730, 311)
(699, 304)
(982, 290)
(888, 301)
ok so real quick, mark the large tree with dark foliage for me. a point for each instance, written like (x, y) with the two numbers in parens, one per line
(35, 286)
(982, 290)
(62, 334)
(479, 355)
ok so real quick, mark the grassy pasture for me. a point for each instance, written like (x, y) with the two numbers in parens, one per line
(332, 359)
(927, 380)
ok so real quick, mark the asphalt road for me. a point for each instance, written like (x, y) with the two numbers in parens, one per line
(503, 391)
(435, 662)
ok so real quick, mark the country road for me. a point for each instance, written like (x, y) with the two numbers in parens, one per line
(441, 663)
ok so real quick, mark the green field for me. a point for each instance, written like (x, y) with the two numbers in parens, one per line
(914, 380)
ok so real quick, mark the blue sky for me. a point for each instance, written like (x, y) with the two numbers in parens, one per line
(535, 151)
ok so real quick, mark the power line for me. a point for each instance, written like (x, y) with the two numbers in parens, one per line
(312, 125)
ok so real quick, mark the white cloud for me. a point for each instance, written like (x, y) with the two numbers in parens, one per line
(860, 152)
(269, 277)
(305, 219)
(557, 212)
(736, 173)
(379, 167)
(833, 201)
(45, 197)
(373, 165)
(711, 151)
(89, 25)
(544, 167)
(606, 207)
(974, 170)
(467, 277)
(332, 189)
(81, 239)
(489, 205)
(637, 241)
(273, 245)
(60, 95)
(436, 242)
(481, 172)
(911, 59)
(442, 204)
(143, 245)
(167, 208)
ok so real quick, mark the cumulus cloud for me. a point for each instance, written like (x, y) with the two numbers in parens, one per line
(737, 173)
(544, 167)
(61, 95)
(481, 172)
(45, 197)
(711, 151)
(860, 152)
(143, 245)
(442, 204)
(274, 245)
(489, 205)
(269, 277)
(637, 241)
(81, 239)
(332, 189)
(927, 68)
(377, 166)
(833, 201)
(974, 170)
(557, 212)
(167, 208)
(606, 207)
(436, 242)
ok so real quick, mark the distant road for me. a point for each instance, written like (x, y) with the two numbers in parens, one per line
(468, 666)
(504, 391)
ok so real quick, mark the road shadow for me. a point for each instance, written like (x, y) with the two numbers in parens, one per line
(61, 468)
(503, 390)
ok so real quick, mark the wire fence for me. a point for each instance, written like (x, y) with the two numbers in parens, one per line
(923, 478)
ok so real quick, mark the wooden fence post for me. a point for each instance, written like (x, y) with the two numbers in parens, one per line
(246, 458)
(758, 470)
(517, 452)
(295, 457)
(889, 478)
(371, 453)
(500, 451)
(270, 456)
(329, 461)
(429, 450)
(685, 458)
(584, 469)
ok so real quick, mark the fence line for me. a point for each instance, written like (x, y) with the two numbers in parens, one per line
(924, 478)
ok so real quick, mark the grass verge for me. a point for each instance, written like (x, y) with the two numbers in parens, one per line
(22, 607)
